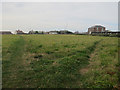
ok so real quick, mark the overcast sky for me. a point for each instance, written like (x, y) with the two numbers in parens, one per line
(74, 16)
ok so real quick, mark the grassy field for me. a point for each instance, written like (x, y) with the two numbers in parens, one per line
(59, 61)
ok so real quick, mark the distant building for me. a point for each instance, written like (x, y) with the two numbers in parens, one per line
(76, 32)
(80, 33)
(5, 32)
(36, 32)
(65, 32)
(96, 28)
(53, 32)
(19, 32)
(46, 32)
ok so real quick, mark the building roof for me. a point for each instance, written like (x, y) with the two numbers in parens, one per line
(5, 32)
(19, 31)
(97, 26)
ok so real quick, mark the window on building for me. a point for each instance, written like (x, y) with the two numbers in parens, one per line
(97, 28)
(102, 29)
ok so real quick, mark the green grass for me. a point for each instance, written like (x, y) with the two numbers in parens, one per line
(103, 67)
(59, 61)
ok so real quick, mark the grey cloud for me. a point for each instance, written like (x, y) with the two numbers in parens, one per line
(47, 16)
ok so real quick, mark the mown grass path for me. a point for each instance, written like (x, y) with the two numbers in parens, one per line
(102, 72)
(13, 66)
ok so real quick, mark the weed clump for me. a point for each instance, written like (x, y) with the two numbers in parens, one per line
(56, 49)
(40, 46)
(49, 52)
(38, 56)
(66, 46)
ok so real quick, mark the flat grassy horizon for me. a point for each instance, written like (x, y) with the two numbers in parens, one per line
(59, 61)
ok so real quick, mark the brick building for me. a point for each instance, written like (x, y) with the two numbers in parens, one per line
(96, 28)
(19, 32)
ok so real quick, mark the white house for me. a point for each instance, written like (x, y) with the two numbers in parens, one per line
(53, 32)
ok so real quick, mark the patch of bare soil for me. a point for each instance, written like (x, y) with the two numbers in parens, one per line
(55, 63)
(84, 70)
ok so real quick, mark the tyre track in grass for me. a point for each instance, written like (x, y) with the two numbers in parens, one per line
(15, 65)
(85, 69)
(93, 73)
(92, 54)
